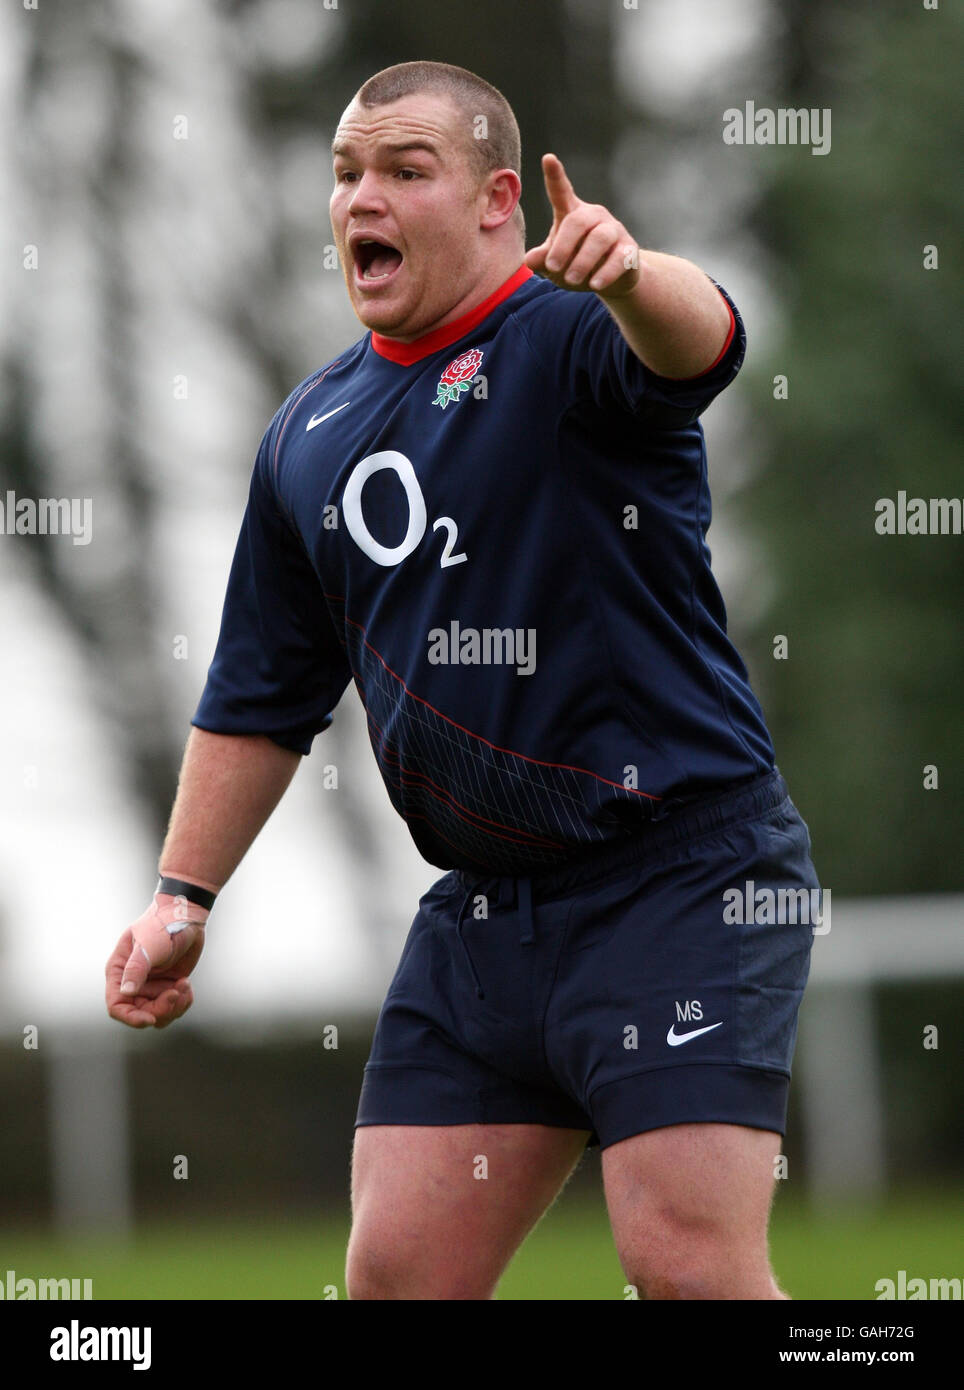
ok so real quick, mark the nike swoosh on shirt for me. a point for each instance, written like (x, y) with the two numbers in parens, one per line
(674, 1039)
(317, 419)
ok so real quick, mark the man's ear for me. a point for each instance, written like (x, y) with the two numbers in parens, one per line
(501, 190)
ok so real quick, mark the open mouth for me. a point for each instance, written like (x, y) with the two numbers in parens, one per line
(374, 259)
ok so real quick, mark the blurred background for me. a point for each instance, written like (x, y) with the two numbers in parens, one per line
(167, 277)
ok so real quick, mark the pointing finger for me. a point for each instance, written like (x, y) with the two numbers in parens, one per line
(561, 193)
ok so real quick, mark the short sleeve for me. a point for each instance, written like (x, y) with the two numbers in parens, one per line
(278, 669)
(580, 342)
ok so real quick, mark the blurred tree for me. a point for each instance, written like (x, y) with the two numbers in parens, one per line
(111, 608)
(870, 692)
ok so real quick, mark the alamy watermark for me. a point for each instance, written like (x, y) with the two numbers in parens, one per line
(47, 516)
(76, 1343)
(777, 907)
(787, 125)
(910, 1289)
(28, 1290)
(487, 646)
(918, 516)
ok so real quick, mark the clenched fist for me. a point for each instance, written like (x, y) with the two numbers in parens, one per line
(147, 985)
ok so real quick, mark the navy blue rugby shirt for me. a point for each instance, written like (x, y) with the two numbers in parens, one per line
(450, 523)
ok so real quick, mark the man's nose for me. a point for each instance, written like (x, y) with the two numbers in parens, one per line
(367, 195)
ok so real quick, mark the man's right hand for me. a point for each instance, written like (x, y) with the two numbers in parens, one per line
(147, 984)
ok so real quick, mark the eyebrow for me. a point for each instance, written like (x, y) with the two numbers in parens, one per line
(340, 148)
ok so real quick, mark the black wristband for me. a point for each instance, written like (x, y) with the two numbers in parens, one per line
(179, 889)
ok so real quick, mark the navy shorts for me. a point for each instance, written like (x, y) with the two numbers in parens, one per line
(616, 995)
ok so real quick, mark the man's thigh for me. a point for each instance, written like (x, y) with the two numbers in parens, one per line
(689, 1206)
(438, 1211)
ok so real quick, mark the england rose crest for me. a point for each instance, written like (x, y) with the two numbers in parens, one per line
(457, 377)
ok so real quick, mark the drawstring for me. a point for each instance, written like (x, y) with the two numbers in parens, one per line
(458, 932)
(525, 912)
(503, 895)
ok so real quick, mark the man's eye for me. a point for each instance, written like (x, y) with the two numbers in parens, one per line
(345, 175)
(408, 174)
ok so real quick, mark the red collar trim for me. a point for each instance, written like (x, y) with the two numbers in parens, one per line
(407, 353)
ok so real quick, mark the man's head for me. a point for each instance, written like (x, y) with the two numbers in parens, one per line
(425, 205)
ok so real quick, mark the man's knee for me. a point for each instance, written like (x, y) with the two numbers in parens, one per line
(690, 1209)
(378, 1269)
(372, 1273)
(687, 1260)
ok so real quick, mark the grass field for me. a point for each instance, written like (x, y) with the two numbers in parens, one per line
(569, 1256)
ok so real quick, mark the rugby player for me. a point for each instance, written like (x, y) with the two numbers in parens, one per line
(490, 512)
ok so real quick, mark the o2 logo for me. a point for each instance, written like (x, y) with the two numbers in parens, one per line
(351, 507)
